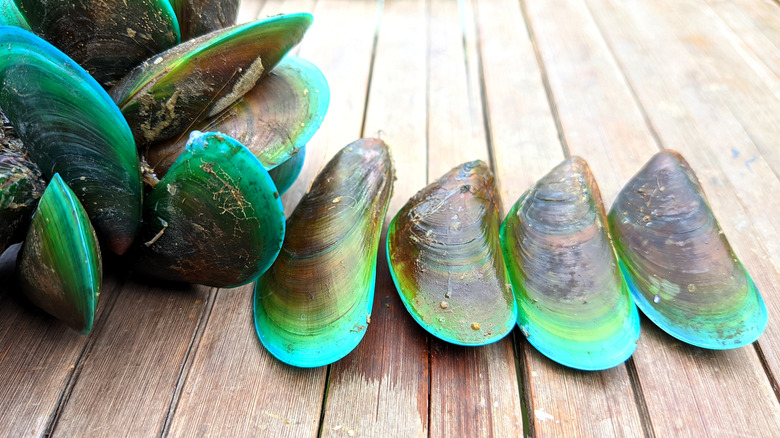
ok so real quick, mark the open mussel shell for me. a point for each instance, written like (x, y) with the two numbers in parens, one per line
(445, 258)
(274, 120)
(106, 37)
(215, 218)
(10, 15)
(70, 126)
(59, 267)
(199, 17)
(170, 92)
(681, 269)
(21, 186)
(314, 304)
(285, 174)
(574, 305)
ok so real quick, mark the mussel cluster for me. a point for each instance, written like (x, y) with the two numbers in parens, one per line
(154, 129)
(567, 273)
(160, 131)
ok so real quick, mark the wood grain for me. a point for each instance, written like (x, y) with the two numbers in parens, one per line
(474, 391)
(381, 388)
(236, 388)
(38, 356)
(129, 375)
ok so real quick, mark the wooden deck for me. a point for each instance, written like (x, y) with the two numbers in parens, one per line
(520, 84)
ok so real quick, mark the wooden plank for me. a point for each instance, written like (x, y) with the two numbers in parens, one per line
(685, 111)
(129, 375)
(563, 401)
(235, 388)
(474, 391)
(381, 388)
(38, 355)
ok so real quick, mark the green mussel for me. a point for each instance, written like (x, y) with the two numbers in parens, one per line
(574, 305)
(274, 120)
(199, 17)
(215, 218)
(106, 37)
(445, 258)
(170, 92)
(314, 304)
(70, 126)
(682, 271)
(59, 266)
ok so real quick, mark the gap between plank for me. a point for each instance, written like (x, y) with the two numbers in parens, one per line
(189, 357)
(321, 425)
(639, 398)
(546, 81)
(73, 379)
(767, 370)
(522, 383)
(380, 5)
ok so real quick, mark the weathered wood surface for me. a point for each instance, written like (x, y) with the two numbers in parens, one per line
(520, 84)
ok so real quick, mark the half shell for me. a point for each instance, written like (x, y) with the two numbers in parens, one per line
(215, 218)
(445, 258)
(681, 269)
(575, 307)
(70, 126)
(169, 93)
(313, 305)
(60, 268)
(274, 120)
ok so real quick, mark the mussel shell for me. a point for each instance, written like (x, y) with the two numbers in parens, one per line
(445, 258)
(274, 119)
(313, 305)
(70, 126)
(60, 269)
(575, 307)
(285, 174)
(681, 269)
(21, 186)
(106, 37)
(170, 92)
(215, 218)
(199, 17)
(10, 15)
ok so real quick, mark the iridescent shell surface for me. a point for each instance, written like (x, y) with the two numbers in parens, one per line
(314, 304)
(106, 37)
(70, 126)
(10, 15)
(681, 269)
(574, 305)
(60, 269)
(445, 257)
(168, 93)
(274, 120)
(215, 218)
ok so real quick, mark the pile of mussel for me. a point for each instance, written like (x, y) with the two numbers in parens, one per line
(160, 131)
(157, 130)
